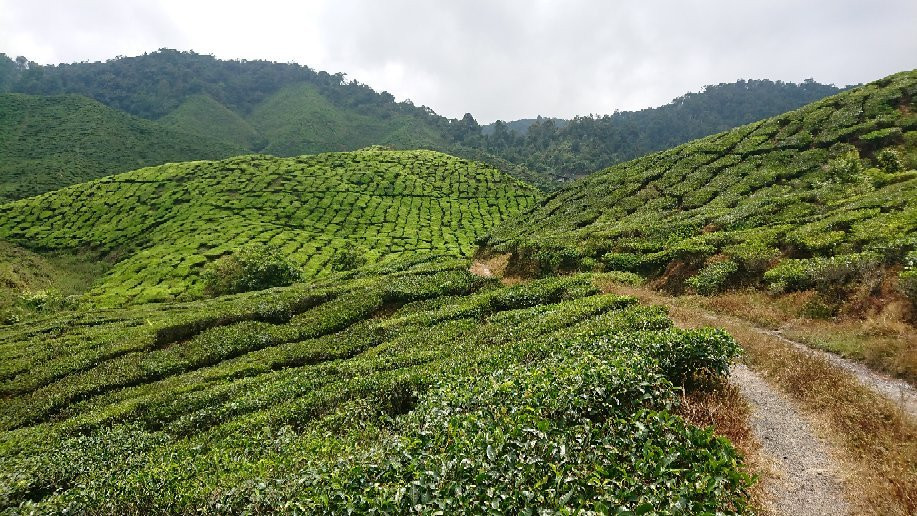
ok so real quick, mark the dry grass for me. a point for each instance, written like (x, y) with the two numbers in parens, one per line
(722, 407)
(881, 338)
(878, 442)
(495, 266)
(875, 441)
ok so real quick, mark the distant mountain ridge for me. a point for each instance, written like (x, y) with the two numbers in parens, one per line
(288, 109)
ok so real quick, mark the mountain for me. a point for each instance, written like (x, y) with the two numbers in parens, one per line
(819, 197)
(47, 142)
(205, 117)
(300, 120)
(288, 109)
(571, 148)
(522, 125)
(160, 226)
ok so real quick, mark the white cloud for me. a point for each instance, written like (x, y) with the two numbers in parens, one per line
(496, 59)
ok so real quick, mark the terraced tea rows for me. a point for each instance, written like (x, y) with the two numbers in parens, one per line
(813, 197)
(413, 388)
(163, 224)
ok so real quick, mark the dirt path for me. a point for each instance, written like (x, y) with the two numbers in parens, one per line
(807, 479)
(902, 394)
(805, 470)
(899, 392)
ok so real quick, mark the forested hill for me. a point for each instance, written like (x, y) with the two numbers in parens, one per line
(576, 147)
(288, 109)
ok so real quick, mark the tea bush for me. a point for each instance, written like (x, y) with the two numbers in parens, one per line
(253, 267)
(163, 225)
(831, 179)
(421, 389)
(713, 278)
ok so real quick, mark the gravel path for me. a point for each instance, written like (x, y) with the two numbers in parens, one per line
(899, 392)
(807, 481)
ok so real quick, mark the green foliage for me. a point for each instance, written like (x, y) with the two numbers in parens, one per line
(889, 161)
(50, 142)
(823, 274)
(203, 116)
(754, 256)
(713, 278)
(288, 109)
(792, 187)
(45, 300)
(409, 391)
(572, 148)
(348, 258)
(163, 225)
(253, 267)
(622, 277)
(846, 167)
(301, 120)
(907, 282)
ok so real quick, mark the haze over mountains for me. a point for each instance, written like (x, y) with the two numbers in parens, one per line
(287, 109)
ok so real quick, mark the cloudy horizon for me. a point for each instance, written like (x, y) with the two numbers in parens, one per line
(497, 60)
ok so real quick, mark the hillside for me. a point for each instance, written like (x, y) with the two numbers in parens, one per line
(815, 198)
(330, 397)
(296, 110)
(50, 142)
(204, 116)
(585, 144)
(299, 120)
(161, 225)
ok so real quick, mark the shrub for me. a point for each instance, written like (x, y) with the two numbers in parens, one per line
(846, 167)
(253, 267)
(907, 280)
(754, 256)
(889, 161)
(347, 258)
(46, 300)
(622, 277)
(826, 275)
(712, 278)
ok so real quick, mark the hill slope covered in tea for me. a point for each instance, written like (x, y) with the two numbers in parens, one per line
(161, 225)
(816, 197)
(51, 142)
(410, 388)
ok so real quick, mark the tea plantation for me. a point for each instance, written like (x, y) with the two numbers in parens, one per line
(413, 387)
(814, 198)
(48, 142)
(161, 225)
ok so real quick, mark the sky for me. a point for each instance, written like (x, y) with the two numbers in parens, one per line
(497, 59)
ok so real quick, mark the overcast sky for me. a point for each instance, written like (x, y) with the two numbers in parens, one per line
(504, 59)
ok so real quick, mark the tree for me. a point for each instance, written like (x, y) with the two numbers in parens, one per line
(253, 267)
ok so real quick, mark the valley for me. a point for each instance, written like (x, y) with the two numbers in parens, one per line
(271, 290)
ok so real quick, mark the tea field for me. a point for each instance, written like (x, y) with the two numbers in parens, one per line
(48, 142)
(161, 225)
(410, 387)
(816, 198)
